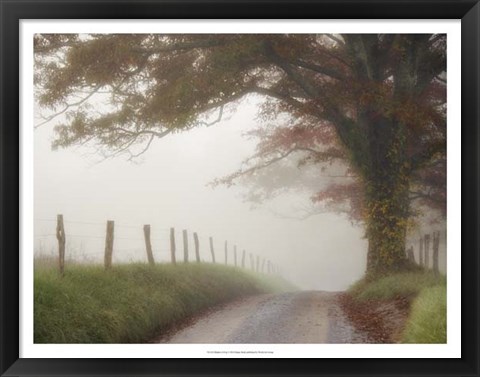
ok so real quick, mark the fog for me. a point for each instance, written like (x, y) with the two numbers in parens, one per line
(168, 187)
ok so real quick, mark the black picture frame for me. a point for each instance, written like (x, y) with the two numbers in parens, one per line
(12, 11)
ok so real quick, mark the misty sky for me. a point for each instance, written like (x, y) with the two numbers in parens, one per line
(167, 187)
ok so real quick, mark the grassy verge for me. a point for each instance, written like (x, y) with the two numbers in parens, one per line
(428, 318)
(131, 302)
(403, 285)
(426, 296)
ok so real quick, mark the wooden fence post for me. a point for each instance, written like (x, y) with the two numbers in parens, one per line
(148, 244)
(185, 246)
(243, 258)
(61, 244)
(109, 244)
(211, 250)
(235, 255)
(411, 255)
(436, 246)
(263, 264)
(420, 252)
(197, 247)
(226, 252)
(172, 245)
(252, 262)
(427, 250)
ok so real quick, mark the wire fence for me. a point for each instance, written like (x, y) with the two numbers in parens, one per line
(109, 242)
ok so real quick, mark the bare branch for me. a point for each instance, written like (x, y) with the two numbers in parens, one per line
(132, 156)
(219, 118)
(281, 155)
(304, 216)
(321, 154)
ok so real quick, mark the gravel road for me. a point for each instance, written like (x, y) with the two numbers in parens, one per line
(294, 317)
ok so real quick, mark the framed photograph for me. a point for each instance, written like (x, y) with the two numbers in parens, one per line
(192, 188)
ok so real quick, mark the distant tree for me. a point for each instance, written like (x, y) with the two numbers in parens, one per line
(374, 102)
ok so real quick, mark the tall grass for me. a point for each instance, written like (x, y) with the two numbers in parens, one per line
(401, 285)
(428, 319)
(427, 295)
(131, 303)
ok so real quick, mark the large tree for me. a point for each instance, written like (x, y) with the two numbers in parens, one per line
(287, 159)
(375, 103)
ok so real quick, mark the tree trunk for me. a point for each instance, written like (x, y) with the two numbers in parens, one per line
(386, 199)
(386, 231)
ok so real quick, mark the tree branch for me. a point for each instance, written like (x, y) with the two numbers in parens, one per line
(282, 155)
(427, 154)
(68, 106)
(143, 132)
(317, 68)
(307, 214)
(132, 156)
(272, 93)
(414, 195)
(290, 71)
(219, 118)
(179, 46)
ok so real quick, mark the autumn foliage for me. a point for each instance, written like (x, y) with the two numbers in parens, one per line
(372, 107)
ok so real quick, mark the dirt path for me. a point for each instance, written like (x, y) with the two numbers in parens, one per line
(294, 317)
